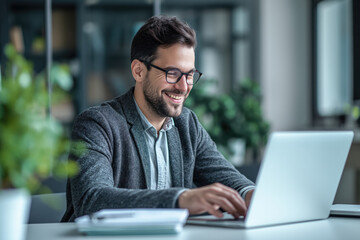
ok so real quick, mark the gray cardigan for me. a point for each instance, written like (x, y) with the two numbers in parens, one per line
(115, 170)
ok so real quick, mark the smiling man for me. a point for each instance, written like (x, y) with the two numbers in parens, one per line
(144, 149)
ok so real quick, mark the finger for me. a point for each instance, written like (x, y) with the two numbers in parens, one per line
(213, 210)
(238, 203)
(231, 195)
(225, 204)
(196, 201)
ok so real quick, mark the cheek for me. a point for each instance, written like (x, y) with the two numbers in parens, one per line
(159, 78)
(155, 81)
(189, 90)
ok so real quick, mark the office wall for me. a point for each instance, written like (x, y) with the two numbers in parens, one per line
(285, 63)
(285, 77)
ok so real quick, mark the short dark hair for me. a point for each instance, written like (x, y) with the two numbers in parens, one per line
(161, 31)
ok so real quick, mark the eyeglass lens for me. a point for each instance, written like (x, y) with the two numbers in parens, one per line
(175, 75)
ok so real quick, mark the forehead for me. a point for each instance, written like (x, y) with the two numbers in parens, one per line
(177, 55)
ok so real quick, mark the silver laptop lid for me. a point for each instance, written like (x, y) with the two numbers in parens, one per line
(298, 177)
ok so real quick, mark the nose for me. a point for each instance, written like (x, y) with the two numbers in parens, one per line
(182, 84)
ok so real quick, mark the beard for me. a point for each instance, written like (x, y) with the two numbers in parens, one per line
(158, 103)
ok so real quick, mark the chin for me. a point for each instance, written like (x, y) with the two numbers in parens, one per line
(176, 112)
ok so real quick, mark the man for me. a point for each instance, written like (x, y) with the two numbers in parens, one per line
(144, 150)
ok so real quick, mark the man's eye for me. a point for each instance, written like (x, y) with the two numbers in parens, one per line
(173, 73)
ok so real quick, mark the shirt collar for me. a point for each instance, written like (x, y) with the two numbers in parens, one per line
(168, 124)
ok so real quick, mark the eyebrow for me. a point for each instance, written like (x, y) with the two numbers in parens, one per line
(171, 67)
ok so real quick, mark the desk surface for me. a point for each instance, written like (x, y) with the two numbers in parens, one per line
(332, 228)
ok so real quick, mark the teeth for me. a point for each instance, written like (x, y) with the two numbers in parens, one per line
(175, 97)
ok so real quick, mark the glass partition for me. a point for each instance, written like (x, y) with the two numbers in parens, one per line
(226, 31)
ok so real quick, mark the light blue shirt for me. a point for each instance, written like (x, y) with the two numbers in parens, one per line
(158, 152)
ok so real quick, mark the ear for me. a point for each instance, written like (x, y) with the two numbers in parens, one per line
(138, 70)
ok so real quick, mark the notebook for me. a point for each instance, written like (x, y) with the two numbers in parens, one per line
(132, 222)
(297, 180)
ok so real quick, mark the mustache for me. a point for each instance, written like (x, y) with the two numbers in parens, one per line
(176, 91)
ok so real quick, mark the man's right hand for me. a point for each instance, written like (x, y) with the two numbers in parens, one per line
(211, 198)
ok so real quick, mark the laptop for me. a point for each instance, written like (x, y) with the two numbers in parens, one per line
(297, 180)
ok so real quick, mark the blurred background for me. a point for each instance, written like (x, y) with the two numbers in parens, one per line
(271, 65)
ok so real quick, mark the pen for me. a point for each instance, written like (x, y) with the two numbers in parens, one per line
(94, 217)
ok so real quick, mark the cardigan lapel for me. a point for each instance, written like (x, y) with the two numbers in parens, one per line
(138, 133)
(136, 129)
(175, 157)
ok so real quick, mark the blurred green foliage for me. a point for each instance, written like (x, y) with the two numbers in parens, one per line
(32, 145)
(61, 81)
(228, 116)
(354, 112)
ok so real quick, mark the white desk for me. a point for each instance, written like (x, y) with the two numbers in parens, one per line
(332, 228)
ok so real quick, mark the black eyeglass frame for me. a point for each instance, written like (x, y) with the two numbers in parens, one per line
(172, 69)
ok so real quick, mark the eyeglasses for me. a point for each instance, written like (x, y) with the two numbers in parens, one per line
(174, 75)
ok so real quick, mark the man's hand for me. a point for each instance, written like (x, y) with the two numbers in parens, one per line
(248, 197)
(211, 198)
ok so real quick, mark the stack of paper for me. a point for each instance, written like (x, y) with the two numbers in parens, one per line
(133, 221)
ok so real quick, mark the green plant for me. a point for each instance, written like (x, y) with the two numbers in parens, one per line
(354, 112)
(61, 80)
(234, 115)
(32, 145)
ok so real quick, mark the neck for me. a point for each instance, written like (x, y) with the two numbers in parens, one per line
(154, 118)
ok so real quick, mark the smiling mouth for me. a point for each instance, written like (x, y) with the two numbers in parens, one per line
(174, 97)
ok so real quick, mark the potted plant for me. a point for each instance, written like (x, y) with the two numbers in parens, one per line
(355, 114)
(32, 145)
(233, 116)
